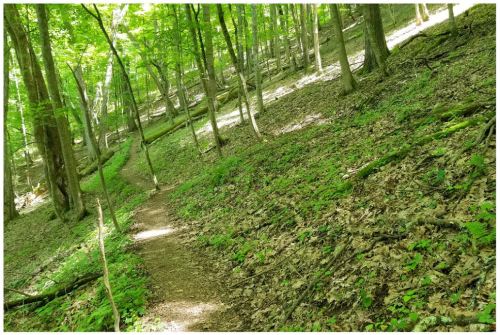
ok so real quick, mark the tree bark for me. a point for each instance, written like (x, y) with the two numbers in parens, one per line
(118, 15)
(9, 206)
(61, 121)
(347, 78)
(209, 88)
(77, 74)
(284, 28)
(276, 36)
(304, 39)
(241, 77)
(105, 272)
(181, 90)
(418, 16)
(451, 18)
(376, 51)
(256, 61)
(317, 56)
(44, 124)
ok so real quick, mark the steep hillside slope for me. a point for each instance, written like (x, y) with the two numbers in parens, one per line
(372, 211)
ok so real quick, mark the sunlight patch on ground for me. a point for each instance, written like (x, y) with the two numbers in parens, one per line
(177, 316)
(332, 71)
(154, 233)
(307, 120)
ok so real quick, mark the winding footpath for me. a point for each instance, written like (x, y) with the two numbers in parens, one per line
(186, 288)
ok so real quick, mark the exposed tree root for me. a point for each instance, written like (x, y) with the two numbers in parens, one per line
(485, 134)
(46, 297)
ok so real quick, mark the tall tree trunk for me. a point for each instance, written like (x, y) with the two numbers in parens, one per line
(275, 36)
(97, 16)
(211, 83)
(424, 12)
(256, 61)
(377, 46)
(248, 46)
(181, 90)
(209, 88)
(297, 30)
(9, 206)
(317, 56)
(451, 18)
(20, 107)
(44, 124)
(347, 79)
(127, 105)
(61, 121)
(284, 28)
(418, 16)
(118, 15)
(304, 38)
(77, 74)
(241, 77)
(239, 46)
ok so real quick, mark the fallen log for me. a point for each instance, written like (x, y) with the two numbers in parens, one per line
(58, 292)
(105, 156)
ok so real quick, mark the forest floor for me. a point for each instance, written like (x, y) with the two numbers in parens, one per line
(187, 290)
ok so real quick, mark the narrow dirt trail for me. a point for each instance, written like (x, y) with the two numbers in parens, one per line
(187, 293)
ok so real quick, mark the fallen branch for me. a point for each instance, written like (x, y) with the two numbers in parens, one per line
(337, 252)
(47, 297)
(17, 291)
(401, 153)
(102, 252)
(105, 156)
(411, 39)
(484, 134)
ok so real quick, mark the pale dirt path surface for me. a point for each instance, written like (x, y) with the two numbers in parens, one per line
(187, 290)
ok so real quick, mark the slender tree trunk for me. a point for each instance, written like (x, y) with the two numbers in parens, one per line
(20, 107)
(9, 206)
(44, 124)
(209, 88)
(97, 16)
(317, 56)
(181, 89)
(256, 61)
(102, 252)
(118, 15)
(418, 15)
(453, 24)
(77, 74)
(297, 30)
(239, 46)
(241, 77)
(284, 28)
(424, 12)
(303, 30)
(332, 16)
(275, 36)
(248, 47)
(61, 121)
(211, 83)
(347, 78)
